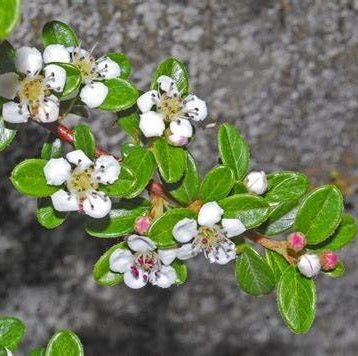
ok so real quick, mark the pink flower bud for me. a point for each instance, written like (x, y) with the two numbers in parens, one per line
(142, 225)
(329, 260)
(176, 140)
(309, 265)
(296, 241)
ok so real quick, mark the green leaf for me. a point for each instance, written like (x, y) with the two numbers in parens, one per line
(171, 160)
(319, 214)
(47, 216)
(73, 80)
(6, 135)
(120, 220)
(217, 184)
(38, 352)
(127, 148)
(7, 57)
(337, 272)
(123, 62)
(52, 148)
(102, 273)
(181, 271)
(122, 94)
(253, 274)
(186, 190)
(296, 300)
(84, 140)
(252, 210)
(345, 234)
(281, 218)
(11, 332)
(10, 14)
(58, 32)
(130, 125)
(234, 151)
(64, 343)
(284, 186)
(238, 188)
(161, 229)
(277, 263)
(176, 70)
(28, 178)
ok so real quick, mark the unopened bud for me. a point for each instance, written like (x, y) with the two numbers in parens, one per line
(309, 265)
(329, 260)
(176, 140)
(296, 241)
(256, 182)
(142, 224)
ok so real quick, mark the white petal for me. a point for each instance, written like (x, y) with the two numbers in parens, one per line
(121, 260)
(178, 141)
(195, 108)
(56, 53)
(165, 277)
(57, 171)
(79, 158)
(106, 169)
(223, 254)
(139, 243)
(8, 352)
(48, 110)
(93, 95)
(108, 69)
(185, 230)
(9, 83)
(167, 256)
(28, 60)
(256, 182)
(135, 281)
(152, 124)
(63, 201)
(55, 77)
(210, 214)
(77, 50)
(97, 205)
(309, 265)
(147, 100)
(168, 85)
(181, 127)
(186, 251)
(233, 227)
(15, 113)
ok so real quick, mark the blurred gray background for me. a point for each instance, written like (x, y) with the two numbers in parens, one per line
(286, 74)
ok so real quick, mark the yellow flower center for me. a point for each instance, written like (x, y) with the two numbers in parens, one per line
(85, 66)
(33, 89)
(82, 182)
(171, 107)
(208, 238)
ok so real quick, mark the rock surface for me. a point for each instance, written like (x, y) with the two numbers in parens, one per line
(286, 74)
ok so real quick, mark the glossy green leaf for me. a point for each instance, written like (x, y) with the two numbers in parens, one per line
(181, 271)
(277, 263)
(58, 32)
(161, 229)
(320, 214)
(38, 352)
(6, 135)
(122, 95)
(130, 124)
(28, 178)
(102, 273)
(186, 189)
(11, 332)
(170, 160)
(337, 272)
(52, 148)
(10, 14)
(234, 151)
(64, 343)
(122, 186)
(296, 300)
(47, 216)
(252, 210)
(73, 80)
(253, 274)
(176, 70)
(120, 220)
(217, 184)
(238, 188)
(123, 62)
(84, 140)
(7, 57)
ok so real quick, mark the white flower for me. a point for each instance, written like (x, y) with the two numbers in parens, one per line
(93, 71)
(31, 92)
(256, 182)
(145, 265)
(170, 108)
(82, 182)
(309, 265)
(210, 238)
(8, 352)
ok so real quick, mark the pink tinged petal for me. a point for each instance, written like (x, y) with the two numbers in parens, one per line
(233, 227)
(142, 224)
(152, 124)
(55, 77)
(63, 201)
(106, 169)
(168, 85)
(185, 230)
(222, 254)
(296, 241)
(309, 265)
(181, 127)
(79, 158)
(329, 260)
(97, 205)
(56, 53)
(256, 182)
(121, 261)
(57, 171)
(94, 94)
(167, 256)
(210, 214)
(146, 101)
(136, 278)
(28, 61)
(140, 243)
(195, 108)
(108, 69)
(177, 141)
(186, 252)
(15, 113)
(164, 278)
(9, 83)
(48, 110)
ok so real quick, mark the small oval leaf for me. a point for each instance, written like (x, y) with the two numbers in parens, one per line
(84, 140)
(11, 332)
(6, 135)
(47, 216)
(64, 343)
(57, 32)
(277, 263)
(124, 64)
(10, 14)
(73, 80)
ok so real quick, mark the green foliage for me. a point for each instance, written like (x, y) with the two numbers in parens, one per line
(73, 80)
(277, 263)
(130, 124)
(38, 352)
(181, 271)
(123, 62)
(64, 343)
(47, 216)
(337, 272)
(7, 57)
(84, 140)
(11, 332)
(10, 14)
(52, 148)
(6, 135)
(56, 32)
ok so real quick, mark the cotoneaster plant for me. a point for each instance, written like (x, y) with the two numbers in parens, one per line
(275, 230)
